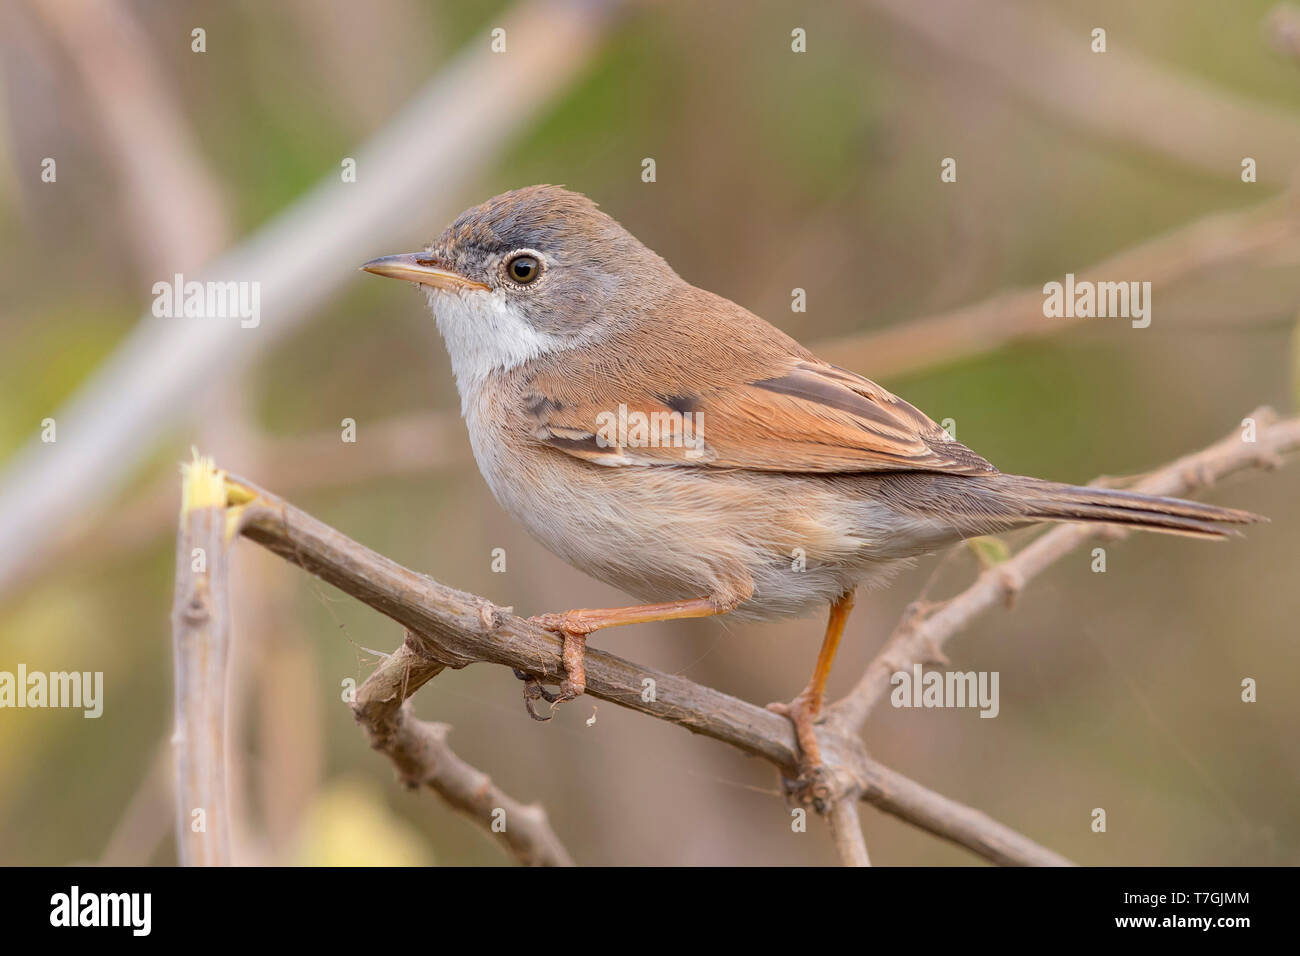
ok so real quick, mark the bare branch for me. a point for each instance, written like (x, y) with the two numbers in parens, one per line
(923, 631)
(894, 793)
(201, 650)
(419, 751)
(450, 628)
(846, 831)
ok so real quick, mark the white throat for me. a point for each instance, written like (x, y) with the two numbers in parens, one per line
(484, 333)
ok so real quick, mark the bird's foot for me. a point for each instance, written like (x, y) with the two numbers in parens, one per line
(812, 786)
(533, 692)
(573, 632)
(805, 713)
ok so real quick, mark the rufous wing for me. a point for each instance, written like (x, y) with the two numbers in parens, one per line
(805, 416)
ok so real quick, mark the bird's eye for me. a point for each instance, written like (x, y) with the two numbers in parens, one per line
(524, 268)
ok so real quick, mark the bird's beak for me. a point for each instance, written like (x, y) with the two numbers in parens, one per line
(423, 268)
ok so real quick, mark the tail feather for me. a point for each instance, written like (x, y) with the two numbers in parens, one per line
(966, 505)
(1049, 501)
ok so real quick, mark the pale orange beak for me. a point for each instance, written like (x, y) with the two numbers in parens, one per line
(422, 268)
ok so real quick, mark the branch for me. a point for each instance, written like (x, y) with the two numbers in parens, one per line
(201, 648)
(419, 751)
(895, 793)
(924, 630)
(846, 831)
(450, 628)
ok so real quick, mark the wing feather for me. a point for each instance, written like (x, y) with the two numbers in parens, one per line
(803, 415)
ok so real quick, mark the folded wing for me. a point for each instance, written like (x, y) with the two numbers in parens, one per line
(797, 415)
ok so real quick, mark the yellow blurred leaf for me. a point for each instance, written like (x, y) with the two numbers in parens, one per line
(989, 550)
(349, 824)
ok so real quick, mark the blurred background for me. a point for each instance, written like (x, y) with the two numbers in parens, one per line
(774, 170)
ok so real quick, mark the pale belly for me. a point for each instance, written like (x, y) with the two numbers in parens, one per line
(785, 545)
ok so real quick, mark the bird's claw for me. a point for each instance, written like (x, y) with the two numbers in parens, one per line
(811, 786)
(574, 683)
(533, 692)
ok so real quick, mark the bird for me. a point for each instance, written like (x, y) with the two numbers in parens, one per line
(671, 443)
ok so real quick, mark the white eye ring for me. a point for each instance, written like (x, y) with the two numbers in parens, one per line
(521, 256)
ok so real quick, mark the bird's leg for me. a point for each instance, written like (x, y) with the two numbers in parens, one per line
(804, 710)
(574, 626)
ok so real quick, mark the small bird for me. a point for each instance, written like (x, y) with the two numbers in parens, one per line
(668, 442)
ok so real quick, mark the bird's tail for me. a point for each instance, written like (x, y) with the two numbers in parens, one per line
(1050, 501)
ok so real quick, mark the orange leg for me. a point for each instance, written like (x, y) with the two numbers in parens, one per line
(574, 626)
(804, 710)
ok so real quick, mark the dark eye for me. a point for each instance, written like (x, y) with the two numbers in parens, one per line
(523, 269)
